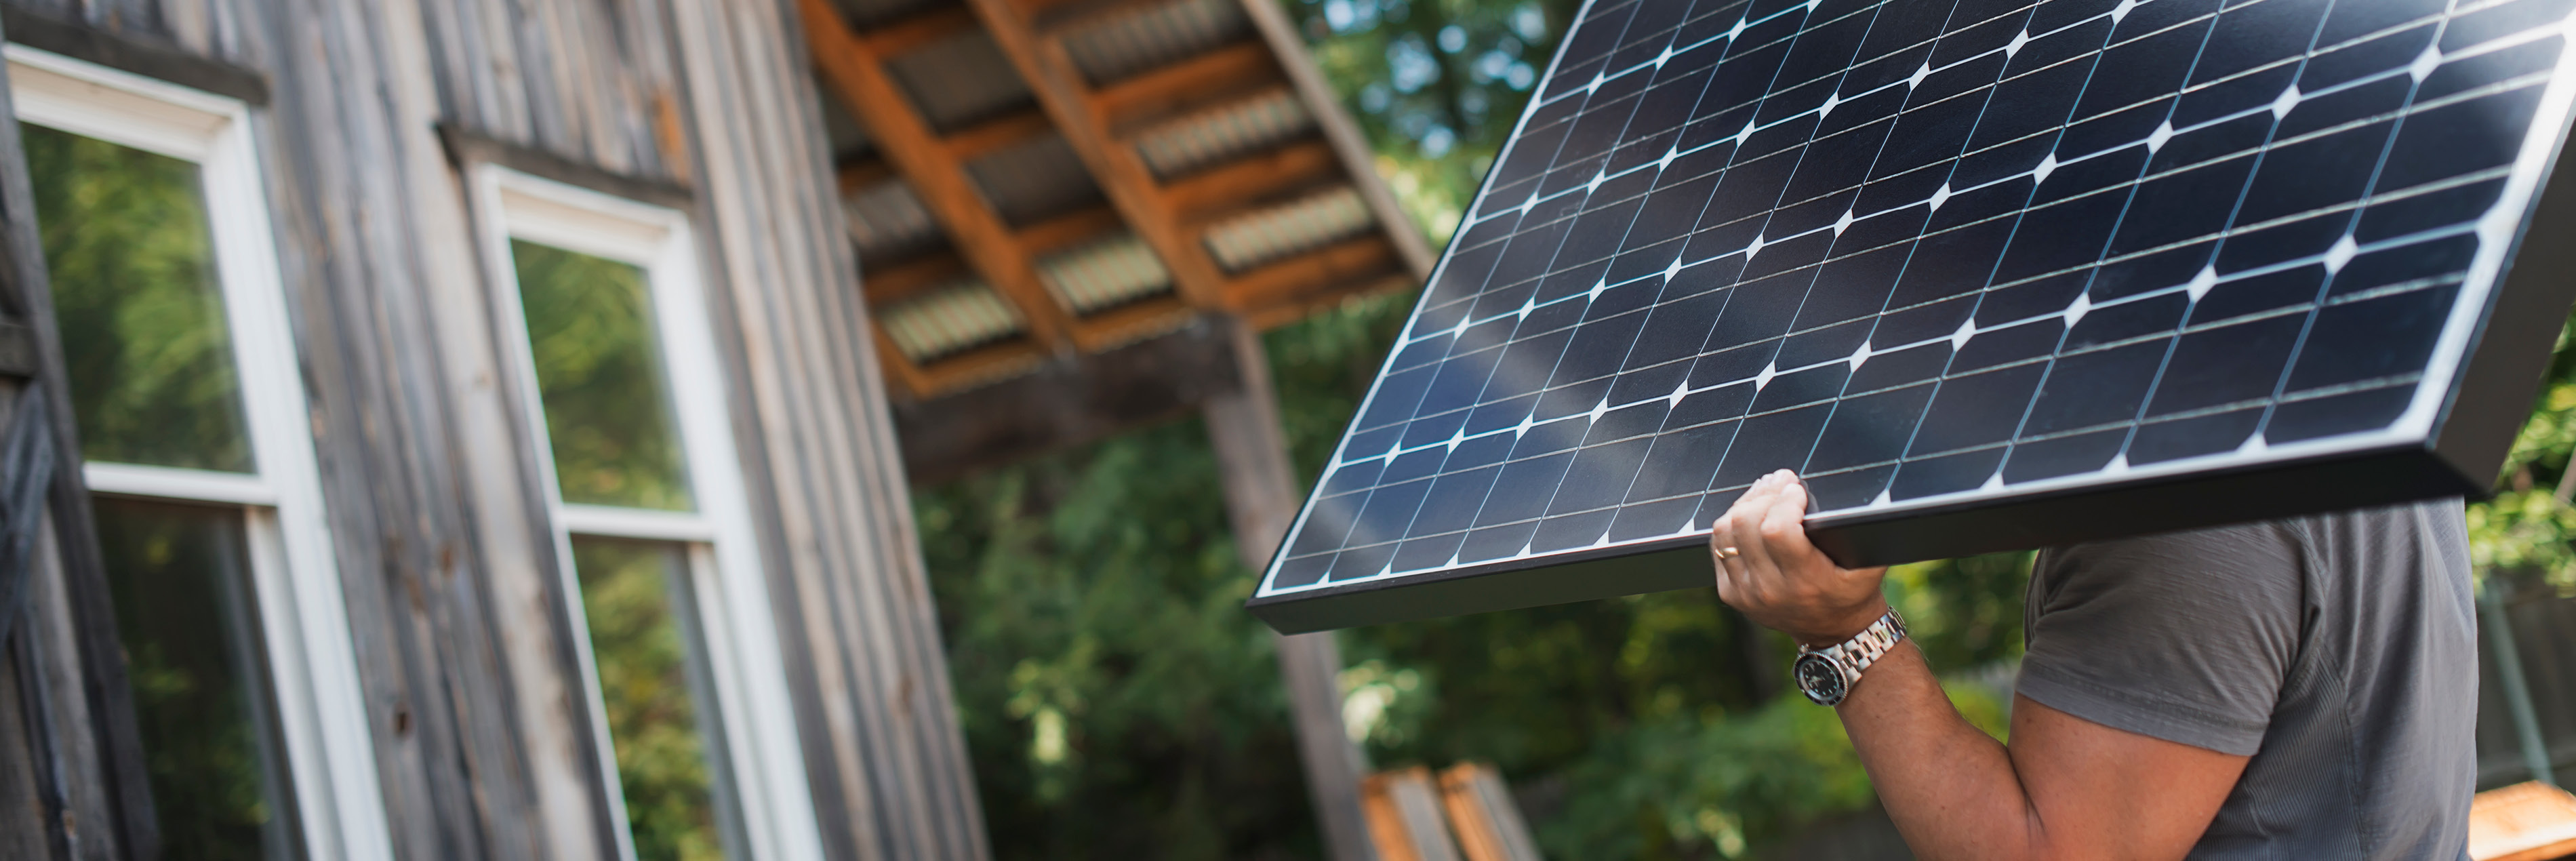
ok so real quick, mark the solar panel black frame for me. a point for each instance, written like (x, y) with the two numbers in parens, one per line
(2467, 402)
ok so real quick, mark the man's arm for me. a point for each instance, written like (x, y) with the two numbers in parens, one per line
(2063, 788)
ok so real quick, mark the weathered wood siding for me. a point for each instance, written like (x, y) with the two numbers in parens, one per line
(884, 752)
(483, 749)
(592, 81)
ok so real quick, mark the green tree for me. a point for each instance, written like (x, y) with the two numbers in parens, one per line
(1116, 699)
(1437, 84)
(2526, 530)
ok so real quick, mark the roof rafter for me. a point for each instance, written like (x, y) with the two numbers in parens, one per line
(1000, 132)
(901, 36)
(861, 174)
(1289, 280)
(1202, 196)
(911, 277)
(1155, 94)
(857, 71)
(1059, 86)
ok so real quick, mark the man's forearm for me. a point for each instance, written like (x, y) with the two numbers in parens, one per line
(2066, 787)
(1951, 789)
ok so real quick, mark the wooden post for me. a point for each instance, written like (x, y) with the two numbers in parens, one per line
(1261, 498)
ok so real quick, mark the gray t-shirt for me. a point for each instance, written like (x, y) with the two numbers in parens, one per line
(2339, 651)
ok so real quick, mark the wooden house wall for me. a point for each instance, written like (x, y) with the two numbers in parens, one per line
(885, 754)
(482, 747)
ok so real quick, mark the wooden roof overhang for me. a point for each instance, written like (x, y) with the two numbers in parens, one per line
(1052, 199)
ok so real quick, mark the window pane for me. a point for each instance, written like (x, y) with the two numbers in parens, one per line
(142, 315)
(193, 659)
(600, 375)
(640, 638)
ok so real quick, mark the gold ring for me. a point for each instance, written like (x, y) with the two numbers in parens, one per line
(1728, 553)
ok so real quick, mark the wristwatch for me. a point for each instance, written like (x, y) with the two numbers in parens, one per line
(1827, 675)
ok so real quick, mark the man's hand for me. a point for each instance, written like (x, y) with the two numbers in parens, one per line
(1767, 569)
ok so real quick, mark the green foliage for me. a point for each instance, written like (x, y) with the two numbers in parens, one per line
(2528, 526)
(1116, 699)
(642, 656)
(148, 354)
(1680, 786)
(1437, 84)
(190, 636)
(1963, 613)
(599, 373)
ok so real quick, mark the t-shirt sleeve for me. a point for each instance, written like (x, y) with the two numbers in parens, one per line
(2185, 637)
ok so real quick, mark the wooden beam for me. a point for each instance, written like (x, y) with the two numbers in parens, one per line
(1067, 229)
(980, 366)
(1062, 404)
(860, 174)
(909, 278)
(1481, 811)
(859, 74)
(1169, 90)
(968, 143)
(1044, 10)
(1303, 306)
(1304, 275)
(1209, 194)
(1115, 165)
(895, 39)
(1404, 816)
(900, 369)
(1136, 321)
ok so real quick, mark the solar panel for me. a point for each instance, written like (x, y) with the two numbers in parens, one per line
(1989, 274)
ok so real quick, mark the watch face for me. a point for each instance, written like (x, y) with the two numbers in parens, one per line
(1820, 679)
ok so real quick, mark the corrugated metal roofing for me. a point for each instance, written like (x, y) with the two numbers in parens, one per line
(888, 222)
(1224, 133)
(1100, 275)
(959, 80)
(1127, 44)
(1261, 236)
(1033, 180)
(949, 319)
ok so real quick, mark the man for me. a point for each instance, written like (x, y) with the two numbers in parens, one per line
(2296, 689)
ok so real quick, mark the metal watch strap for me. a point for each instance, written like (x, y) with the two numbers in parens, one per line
(1865, 648)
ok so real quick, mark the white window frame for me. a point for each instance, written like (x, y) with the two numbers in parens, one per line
(312, 662)
(735, 611)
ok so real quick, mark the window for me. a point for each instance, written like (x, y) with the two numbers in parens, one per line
(183, 382)
(618, 370)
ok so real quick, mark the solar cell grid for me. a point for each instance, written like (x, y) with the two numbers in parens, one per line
(1931, 253)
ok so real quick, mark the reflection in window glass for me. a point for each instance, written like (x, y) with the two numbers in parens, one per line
(142, 316)
(632, 594)
(599, 374)
(179, 581)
